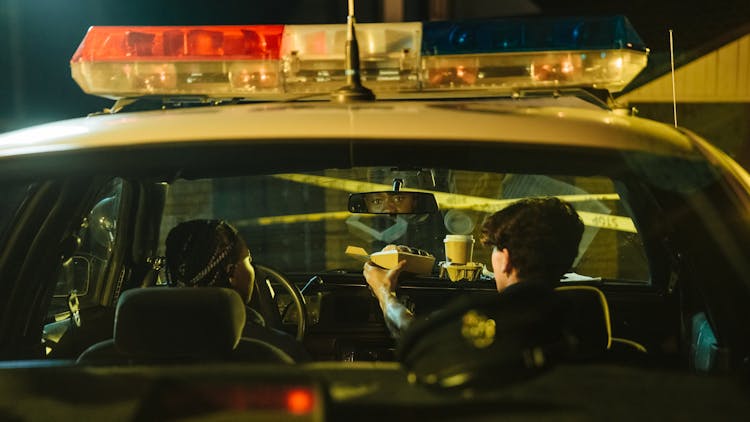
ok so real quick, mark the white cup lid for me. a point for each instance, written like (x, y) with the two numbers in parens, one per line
(458, 238)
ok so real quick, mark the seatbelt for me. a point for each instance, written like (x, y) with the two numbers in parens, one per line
(155, 265)
(74, 307)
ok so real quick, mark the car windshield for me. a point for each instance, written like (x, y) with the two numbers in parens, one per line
(299, 222)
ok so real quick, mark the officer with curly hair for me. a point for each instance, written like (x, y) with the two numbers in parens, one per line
(534, 242)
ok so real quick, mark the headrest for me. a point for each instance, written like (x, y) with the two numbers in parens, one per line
(586, 320)
(170, 322)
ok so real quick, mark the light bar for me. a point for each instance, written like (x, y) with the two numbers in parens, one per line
(223, 61)
(525, 53)
(278, 62)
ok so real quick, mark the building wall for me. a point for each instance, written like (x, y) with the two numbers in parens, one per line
(721, 76)
(713, 98)
(726, 125)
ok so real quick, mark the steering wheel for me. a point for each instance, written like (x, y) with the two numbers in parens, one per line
(276, 277)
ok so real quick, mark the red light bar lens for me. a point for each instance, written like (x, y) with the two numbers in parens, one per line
(225, 61)
(145, 43)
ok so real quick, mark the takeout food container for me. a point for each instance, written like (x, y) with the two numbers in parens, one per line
(417, 264)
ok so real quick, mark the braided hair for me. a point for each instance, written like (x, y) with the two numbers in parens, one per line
(201, 253)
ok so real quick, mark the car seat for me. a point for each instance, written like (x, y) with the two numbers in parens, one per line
(174, 325)
(588, 325)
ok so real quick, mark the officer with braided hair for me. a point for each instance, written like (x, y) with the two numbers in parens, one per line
(211, 253)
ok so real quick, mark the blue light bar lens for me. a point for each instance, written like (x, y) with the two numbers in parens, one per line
(529, 34)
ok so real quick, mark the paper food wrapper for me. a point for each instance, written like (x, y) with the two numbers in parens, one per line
(417, 264)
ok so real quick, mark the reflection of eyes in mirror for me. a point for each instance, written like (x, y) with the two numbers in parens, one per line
(384, 202)
(393, 203)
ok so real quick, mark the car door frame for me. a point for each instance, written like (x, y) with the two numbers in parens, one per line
(41, 235)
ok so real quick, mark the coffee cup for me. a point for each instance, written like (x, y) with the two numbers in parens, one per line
(459, 248)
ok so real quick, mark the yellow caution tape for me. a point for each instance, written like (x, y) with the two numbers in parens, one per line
(607, 221)
(294, 218)
(445, 200)
(334, 183)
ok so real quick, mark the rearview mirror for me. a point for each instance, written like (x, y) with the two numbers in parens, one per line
(393, 202)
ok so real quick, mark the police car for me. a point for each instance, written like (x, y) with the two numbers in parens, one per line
(282, 130)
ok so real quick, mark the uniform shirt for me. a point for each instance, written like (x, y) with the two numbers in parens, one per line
(398, 318)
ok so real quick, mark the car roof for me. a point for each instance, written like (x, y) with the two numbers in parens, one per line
(563, 121)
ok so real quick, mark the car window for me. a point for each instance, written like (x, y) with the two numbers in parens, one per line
(13, 195)
(86, 269)
(300, 223)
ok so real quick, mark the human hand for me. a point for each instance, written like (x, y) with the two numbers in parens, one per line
(383, 282)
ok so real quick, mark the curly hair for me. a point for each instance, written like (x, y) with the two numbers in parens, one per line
(200, 253)
(541, 235)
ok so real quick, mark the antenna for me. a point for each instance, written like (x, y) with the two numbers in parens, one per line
(354, 90)
(674, 91)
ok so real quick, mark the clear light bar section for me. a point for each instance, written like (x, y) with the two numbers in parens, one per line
(313, 56)
(214, 61)
(604, 69)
